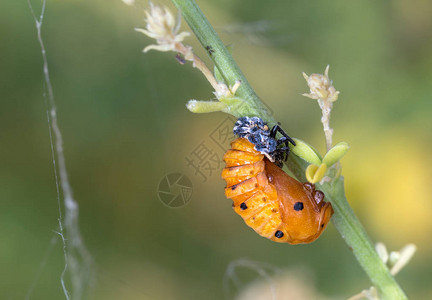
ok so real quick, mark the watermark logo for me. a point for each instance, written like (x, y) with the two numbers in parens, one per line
(206, 158)
(175, 190)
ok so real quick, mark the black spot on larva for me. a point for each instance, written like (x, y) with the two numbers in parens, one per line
(279, 234)
(273, 210)
(233, 187)
(243, 206)
(322, 225)
(298, 206)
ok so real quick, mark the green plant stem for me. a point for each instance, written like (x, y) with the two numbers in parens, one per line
(344, 218)
(222, 58)
(359, 242)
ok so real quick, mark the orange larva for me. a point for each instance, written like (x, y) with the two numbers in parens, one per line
(274, 204)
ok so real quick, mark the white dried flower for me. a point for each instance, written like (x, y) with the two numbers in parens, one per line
(223, 91)
(164, 28)
(321, 87)
(394, 260)
(370, 294)
(381, 249)
(404, 256)
(129, 2)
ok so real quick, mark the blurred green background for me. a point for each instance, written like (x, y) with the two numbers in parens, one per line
(124, 123)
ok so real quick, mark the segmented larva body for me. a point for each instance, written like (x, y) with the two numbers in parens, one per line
(271, 202)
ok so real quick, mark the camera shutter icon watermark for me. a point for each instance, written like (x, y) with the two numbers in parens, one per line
(175, 190)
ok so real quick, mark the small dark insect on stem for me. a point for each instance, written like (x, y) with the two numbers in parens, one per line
(180, 59)
(209, 50)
